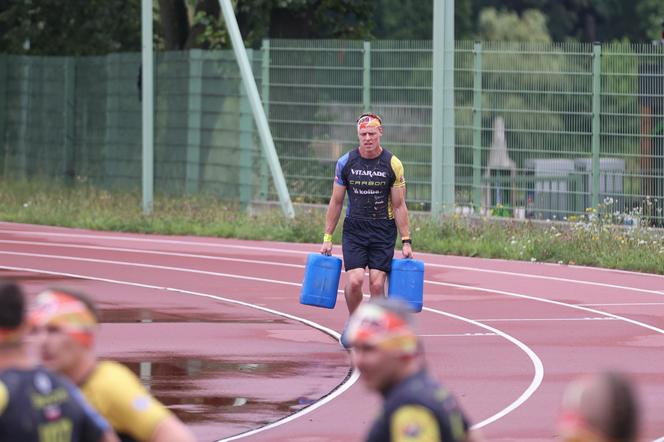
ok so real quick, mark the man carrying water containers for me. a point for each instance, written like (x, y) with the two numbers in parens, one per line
(374, 180)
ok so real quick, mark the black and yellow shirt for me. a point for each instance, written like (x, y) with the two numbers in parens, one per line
(419, 409)
(39, 406)
(368, 182)
(119, 397)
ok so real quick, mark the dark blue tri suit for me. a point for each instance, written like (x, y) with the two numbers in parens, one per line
(39, 406)
(419, 409)
(369, 231)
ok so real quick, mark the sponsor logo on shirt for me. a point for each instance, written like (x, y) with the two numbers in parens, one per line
(369, 173)
(366, 191)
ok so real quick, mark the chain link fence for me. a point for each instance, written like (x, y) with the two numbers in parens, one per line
(542, 130)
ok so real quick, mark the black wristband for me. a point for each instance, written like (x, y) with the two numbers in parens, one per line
(407, 241)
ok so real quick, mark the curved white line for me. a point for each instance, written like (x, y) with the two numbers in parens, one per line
(549, 301)
(274, 281)
(537, 378)
(550, 278)
(272, 249)
(151, 266)
(514, 405)
(252, 261)
(537, 365)
(433, 282)
(344, 386)
(149, 252)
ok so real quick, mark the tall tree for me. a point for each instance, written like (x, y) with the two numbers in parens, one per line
(413, 19)
(588, 20)
(197, 23)
(76, 27)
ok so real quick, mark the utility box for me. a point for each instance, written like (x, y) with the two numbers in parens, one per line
(550, 187)
(611, 180)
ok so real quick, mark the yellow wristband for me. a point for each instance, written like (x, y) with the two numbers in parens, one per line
(327, 237)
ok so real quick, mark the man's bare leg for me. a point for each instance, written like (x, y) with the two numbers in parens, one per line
(377, 280)
(353, 289)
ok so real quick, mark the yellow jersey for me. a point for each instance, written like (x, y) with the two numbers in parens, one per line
(118, 395)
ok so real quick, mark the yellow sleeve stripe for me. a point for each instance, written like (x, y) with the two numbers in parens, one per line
(397, 167)
(4, 398)
(414, 423)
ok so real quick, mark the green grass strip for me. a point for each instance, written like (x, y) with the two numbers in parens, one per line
(591, 240)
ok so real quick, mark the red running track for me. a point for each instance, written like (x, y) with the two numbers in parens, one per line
(214, 328)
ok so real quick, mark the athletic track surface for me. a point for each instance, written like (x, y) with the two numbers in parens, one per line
(214, 328)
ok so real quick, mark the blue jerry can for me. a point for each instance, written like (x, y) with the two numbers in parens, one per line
(407, 282)
(321, 281)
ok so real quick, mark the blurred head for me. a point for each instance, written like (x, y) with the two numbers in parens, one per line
(599, 408)
(385, 347)
(64, 323)
(369, 131)
(12, 314)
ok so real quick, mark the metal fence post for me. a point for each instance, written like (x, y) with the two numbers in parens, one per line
(477, 126)
(24, 121)
(366, 77)
(437, 104)
(111, 126)
(265, 92)
(194, 115)
(245, 170)
(3, 112)
(597, 90)
(442, 114)
(449, 126)
(69, 118)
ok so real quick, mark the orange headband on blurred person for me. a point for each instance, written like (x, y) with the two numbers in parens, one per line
(369, 120)
(54, 308)
(374, 325)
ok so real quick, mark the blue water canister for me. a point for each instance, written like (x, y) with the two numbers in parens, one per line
(321, 281)
(407, 282)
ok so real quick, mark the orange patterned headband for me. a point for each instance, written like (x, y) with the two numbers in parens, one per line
(373, 325)
(369, 120)
(54, 308)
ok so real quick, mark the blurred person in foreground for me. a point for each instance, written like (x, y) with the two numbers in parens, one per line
(389, 356)
(65, 324)
(35, 404)
(599, 408)
(374, 180)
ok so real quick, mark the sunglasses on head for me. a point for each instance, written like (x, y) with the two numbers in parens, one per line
(371, 115)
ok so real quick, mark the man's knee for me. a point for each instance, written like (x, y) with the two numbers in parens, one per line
(377, 287)
(355, 280)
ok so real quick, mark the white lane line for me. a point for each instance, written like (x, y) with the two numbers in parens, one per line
(266, 280)
(626, 304)
(455, 335)
(341, 388)
(601, 318)
(548, 278)
(150, 252)
(301, 252)
(237, 246)
(537, 363)
(550, 301)
(218, 244)
(152, 266)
